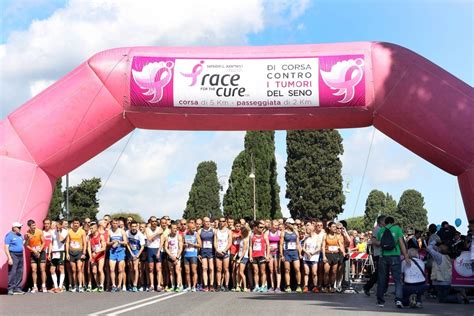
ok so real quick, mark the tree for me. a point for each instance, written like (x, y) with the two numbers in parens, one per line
(83, 200)
(238, 199)
(204, 194)
(313, 173)
(411, 212)
(55, 207)
(356, 223)
(258, 157)
(137, 217)
(378, 203)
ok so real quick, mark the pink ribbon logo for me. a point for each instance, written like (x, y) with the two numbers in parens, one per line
(154, 77)
(344, 76)
(194, 74)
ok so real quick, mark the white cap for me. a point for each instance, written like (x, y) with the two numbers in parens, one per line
(16, 224)
(290, 221)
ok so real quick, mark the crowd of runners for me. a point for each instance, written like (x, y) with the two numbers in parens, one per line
(225, 254)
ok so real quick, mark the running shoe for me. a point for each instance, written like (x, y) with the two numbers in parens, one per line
(380, 304)
(159, 289)
(332, 290)
(412, 300)
(44, 289)
(418, 305)
(399, 304)
(315, 289)
(151, 289)
(168, 289)
(134, 289)
(211, 289)
(288, 290)
(246, 290)
(186, 289)
(96, 289)
(305, 289)
(88, 289)
(101, 289)
(179, 289)
(263, 289)
(298, 289)
(324, 290)
(271, 290)
(233, 289)
(238, 289)
(81, 289)
(277, 290)
(18, 292)
(193, 289)
(256, 289)
(34, 290)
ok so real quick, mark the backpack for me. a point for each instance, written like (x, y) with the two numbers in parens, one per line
(387, 242)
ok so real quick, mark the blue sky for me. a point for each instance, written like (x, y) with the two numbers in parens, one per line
(441, 31)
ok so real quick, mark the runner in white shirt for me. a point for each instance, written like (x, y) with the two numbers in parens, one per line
(58, 255)
(222, 244)
(311, 254)
(153, 237)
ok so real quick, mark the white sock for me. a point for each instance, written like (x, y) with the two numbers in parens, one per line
(61, 280)
(55, 281)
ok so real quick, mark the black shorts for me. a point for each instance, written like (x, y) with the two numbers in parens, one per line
(75, 255)
(41, 258)
(259, 260)
(144, 255)
(58, 261)
(334, 258)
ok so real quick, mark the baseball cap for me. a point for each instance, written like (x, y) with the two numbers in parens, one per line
(16, 224)
(290, 221)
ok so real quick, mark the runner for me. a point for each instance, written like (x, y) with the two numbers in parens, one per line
(332, 249)
(273, 237)
(96, 248)
(104, 232)
(165, 224)
(291, 249)
(259, 255)
(174, 249)
(311, 252)
(47, 233)
(343, 265)
(87, 264)
(153, 235)
(75, 254)
(117, 243)
(191, 245)
(234, 249)
(222, 244)
(206, 235)
(242, 258)
(34, 242)
(143, 263)
(57, 255)
(135, 247)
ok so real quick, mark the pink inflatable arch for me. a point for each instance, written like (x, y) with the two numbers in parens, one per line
(402, 94)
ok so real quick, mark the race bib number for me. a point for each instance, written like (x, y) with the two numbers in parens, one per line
(75, 244)
(37, 248)
(273, 247)
(291, 245)
(97, 248)
(133, 247)
(56, 255)
(257, 246)
(221, 244)
(333, 248)
(236, 242)
(207, 244)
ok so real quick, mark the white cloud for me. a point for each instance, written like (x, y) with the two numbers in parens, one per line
(156, 171)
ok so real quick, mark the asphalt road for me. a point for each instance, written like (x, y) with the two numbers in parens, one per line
(212, 304)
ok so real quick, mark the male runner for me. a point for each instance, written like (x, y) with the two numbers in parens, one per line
(206, 234)
(222, 244)
(96, 247)
(76, 248)
(153, 235)
(135, 246)
(164, 224)
(117, 243)
(143, 262)
(34, 242)
(57, 255)
(174, 248)
(47, 234)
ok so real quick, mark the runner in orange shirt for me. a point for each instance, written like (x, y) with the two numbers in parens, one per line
(34, 241)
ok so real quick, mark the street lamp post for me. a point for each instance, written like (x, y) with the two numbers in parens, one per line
(252, 176)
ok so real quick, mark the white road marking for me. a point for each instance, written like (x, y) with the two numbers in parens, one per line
(145, 304)
(129, 304)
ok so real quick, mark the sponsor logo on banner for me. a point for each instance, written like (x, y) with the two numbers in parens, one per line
(248, 83)
(463, 270)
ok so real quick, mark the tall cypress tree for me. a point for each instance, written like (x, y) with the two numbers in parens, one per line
(238, 199)
(378, 203)
(313, 173)
(411, 212)
(83, 200)
(258, 156)
(204, 194)
(55, 206)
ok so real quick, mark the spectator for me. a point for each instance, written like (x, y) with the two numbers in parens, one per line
(414, 280)
(446, 233)
(14, 251)
(376, 252)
